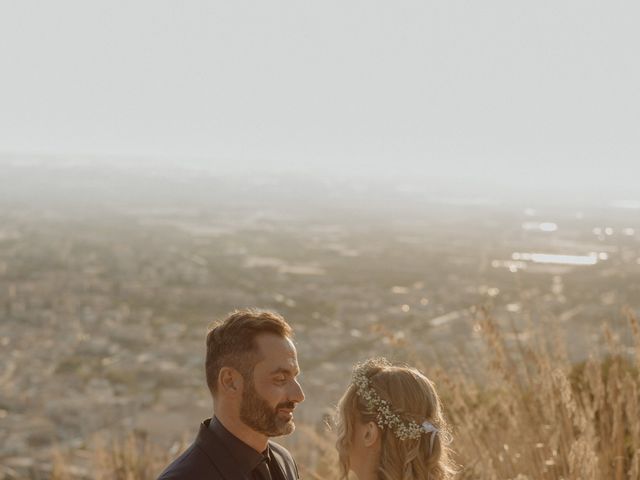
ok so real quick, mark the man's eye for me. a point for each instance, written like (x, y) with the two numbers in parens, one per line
(280, 379)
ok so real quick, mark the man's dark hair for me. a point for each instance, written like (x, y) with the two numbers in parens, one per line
(231, 342)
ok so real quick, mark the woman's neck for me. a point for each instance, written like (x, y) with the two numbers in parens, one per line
(367, 476)
(368, 471)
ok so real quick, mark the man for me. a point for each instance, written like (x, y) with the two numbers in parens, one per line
(251, 369)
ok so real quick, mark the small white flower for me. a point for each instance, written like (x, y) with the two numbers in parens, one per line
(385, 417)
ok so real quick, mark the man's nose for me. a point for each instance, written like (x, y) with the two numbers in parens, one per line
(296, 395)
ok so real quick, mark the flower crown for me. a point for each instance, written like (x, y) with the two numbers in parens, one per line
(385, 417)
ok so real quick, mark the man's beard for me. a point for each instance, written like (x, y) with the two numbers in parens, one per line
(256, 413)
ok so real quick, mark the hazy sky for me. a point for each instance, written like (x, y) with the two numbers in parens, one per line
(482, 90)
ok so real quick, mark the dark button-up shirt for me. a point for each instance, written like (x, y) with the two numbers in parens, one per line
(247, 459)
(216, 454)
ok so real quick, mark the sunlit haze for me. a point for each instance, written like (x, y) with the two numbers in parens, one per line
(450, 185)
(492, 95)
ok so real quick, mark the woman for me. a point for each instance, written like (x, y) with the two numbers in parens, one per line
(391, 427)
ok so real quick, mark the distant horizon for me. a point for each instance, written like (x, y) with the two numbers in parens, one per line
(448, 187)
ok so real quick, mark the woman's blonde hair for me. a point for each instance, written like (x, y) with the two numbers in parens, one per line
(413, 399)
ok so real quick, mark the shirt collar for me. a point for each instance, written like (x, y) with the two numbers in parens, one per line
(246, 457)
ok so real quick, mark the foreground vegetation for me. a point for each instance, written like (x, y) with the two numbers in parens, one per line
(533, 416)
(539, 417)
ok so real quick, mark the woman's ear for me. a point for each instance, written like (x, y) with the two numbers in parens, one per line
(371, 434)
(229, 380)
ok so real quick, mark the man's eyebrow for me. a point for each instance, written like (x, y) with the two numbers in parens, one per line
(286, 371)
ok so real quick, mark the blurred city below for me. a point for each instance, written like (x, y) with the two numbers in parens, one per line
(110, 275)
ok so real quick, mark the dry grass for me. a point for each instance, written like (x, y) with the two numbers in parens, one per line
(535, 416)
(132, 457)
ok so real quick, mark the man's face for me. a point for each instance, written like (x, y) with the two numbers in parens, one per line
(268, 399)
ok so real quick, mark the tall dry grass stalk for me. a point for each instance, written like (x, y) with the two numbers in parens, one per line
(534, 416)
(131, 457)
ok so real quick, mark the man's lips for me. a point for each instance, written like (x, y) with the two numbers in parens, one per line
(286, 409)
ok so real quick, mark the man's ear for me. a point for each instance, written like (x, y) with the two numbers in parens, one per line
(230, 380)
(371, 434)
